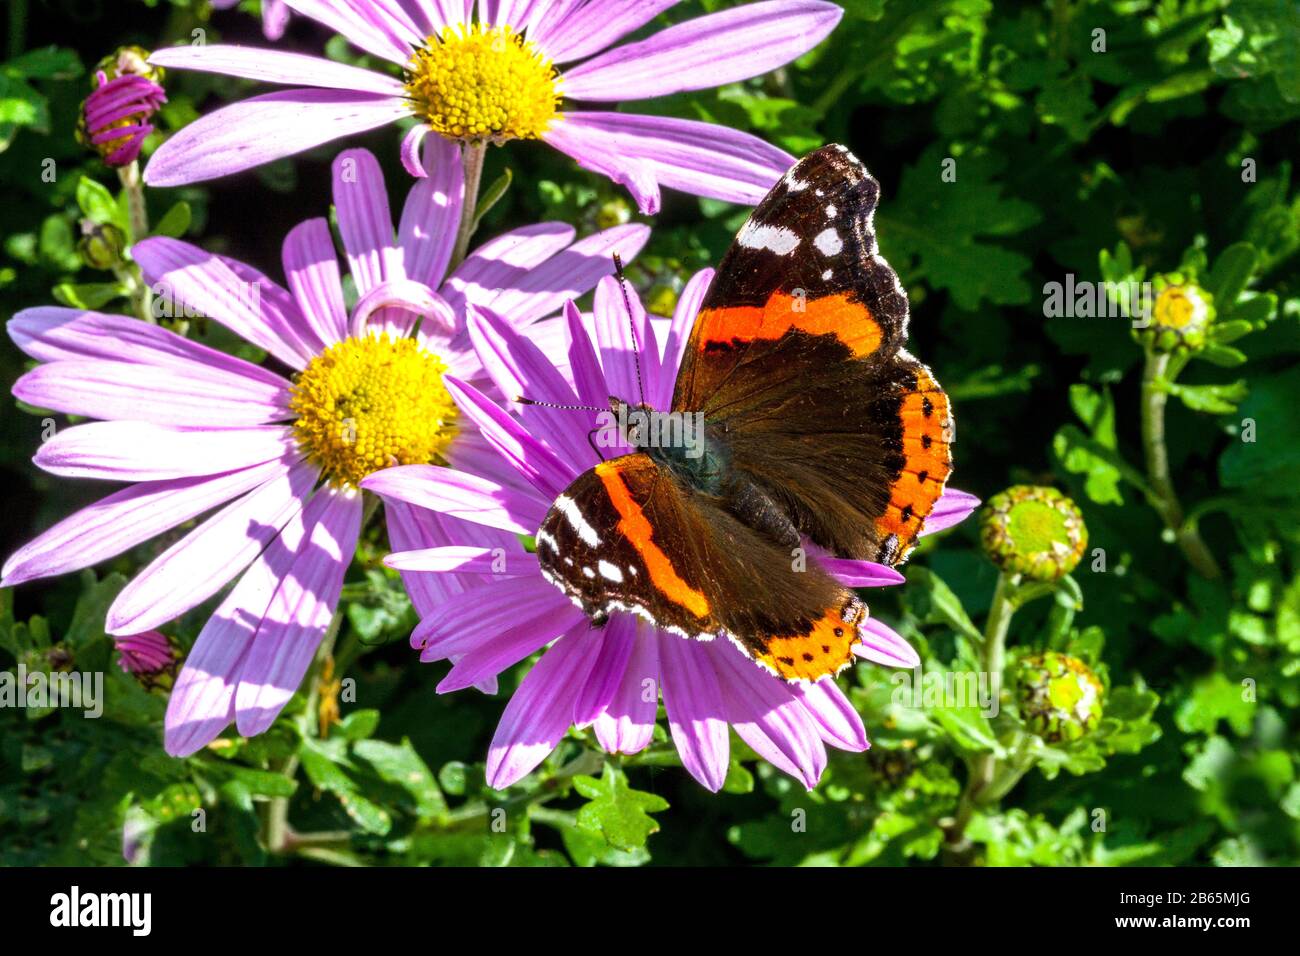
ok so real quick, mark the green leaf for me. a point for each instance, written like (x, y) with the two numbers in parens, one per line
(175, 222)
(46, 63)
(1213, 699)
(493, 195)
(1222, 355)
(617, 812)
(1213, 399)
(88, 295)
(400, 765)
(1260, 38)
(1232, 270)
(97, 203)
(322, 762)
(939, 232)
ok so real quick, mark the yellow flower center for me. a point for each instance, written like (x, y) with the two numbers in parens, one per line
(372, 402)
(477, 82)
(1178, 307)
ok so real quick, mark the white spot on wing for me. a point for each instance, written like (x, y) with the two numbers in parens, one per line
(609, 572)
(831, 211)
(778, 239)
(828, 242)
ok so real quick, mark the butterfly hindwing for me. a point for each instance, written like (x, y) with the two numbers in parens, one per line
(627, 536)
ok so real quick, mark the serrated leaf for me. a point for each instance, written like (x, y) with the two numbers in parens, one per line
(617, 812)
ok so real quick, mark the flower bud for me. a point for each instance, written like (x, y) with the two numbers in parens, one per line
(1035, 531)
(101, 245)
(114, 119)
(1180, 317)
(146, 655)
(1059, 696)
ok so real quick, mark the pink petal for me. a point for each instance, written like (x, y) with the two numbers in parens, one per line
(592, 34)
(953, 507)
(149, 393)
(539, 713)
(693, 700)
(836, 720)
(860, 574)
(617, 639)
(504, 647)
(883, 645)
(519, 369)
(256, 131)
(628, 722)
(361, 26)
(184, 275)
(767, 716)
(504, 260)
(310, 578)
(432, 213)
(365, 223)
(568, 274)
(417, 528)
(276, 66)
(479, 615)
(207, 558)
(139, 451)
(312, 269)
(588, 376)
(52, 333)
(464, 559)
(595, 150)
(459, 495)
(705, 52)
(544, 470)
(703, 159)
(124, 519)
(628, 352)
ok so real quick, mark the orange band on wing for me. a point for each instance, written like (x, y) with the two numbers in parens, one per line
(927, 439)
(634, 525)
(850, 321)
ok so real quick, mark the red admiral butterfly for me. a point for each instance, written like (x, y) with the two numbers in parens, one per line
(817, 425)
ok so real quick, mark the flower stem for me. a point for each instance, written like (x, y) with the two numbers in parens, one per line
(985, 769)
(472, 156)
(138, 219)
(1155, 379)
(279, 834)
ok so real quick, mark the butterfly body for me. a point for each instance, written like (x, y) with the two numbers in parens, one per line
(813, 426)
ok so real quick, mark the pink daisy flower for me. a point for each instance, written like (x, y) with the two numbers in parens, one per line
(192, 429)
(610, 678)
(494, 77)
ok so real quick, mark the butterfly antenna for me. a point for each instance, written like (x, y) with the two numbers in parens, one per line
(627, 303)
(580, 408)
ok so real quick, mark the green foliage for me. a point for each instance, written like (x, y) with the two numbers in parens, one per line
(1016, 144)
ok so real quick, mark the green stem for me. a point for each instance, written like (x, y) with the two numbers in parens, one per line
(472, 156)
(1156, 376)
(985, 769)
(138, 219)
(279, 834)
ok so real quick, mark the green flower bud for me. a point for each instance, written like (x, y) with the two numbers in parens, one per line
(1034, 531)
(1060, 698)
(613, 212)
(101, 246)
(1180, 316)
